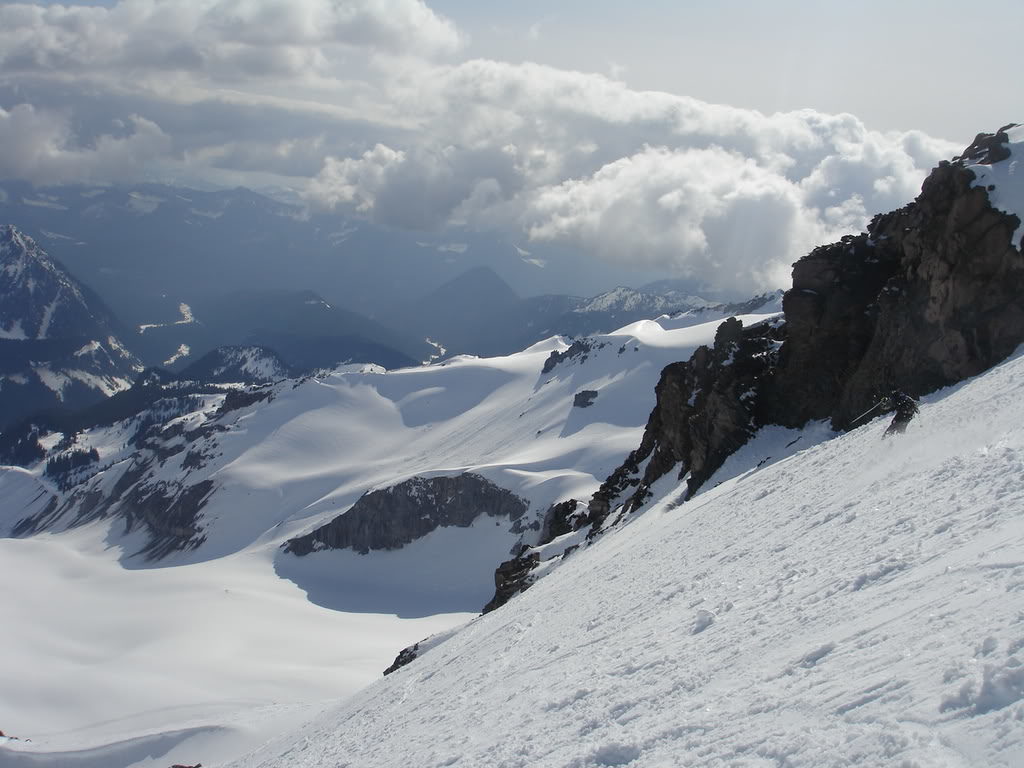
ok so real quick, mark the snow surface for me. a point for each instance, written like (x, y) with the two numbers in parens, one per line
(187, 318)
(14, 332)
(1007, 177)
(183, 350)
(104, 621)
(857, 603)
(826, 601)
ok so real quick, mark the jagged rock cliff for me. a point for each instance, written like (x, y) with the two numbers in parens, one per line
(705, 409)
(931, 294)
(396, 516)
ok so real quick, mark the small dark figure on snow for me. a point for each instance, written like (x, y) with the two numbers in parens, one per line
(905, 407)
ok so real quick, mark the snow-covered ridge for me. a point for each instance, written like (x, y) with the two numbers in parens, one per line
(821, 600)
(322, 441)
(624, 299)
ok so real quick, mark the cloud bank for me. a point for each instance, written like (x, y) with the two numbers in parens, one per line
(40, 146)
(364, 106)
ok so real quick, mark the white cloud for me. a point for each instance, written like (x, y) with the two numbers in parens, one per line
(694, 212)
(649, 179)
(355, 98)
(355, 181)
(40, 146)
(219, 38)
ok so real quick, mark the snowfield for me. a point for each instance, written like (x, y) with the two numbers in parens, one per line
(858, 603)
(825, 601)
(107, 649)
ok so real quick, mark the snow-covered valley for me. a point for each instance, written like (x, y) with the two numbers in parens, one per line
(229, 637)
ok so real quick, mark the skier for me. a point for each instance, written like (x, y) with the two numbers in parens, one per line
(905, 407)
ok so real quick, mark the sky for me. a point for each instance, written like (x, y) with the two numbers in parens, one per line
(711, 140)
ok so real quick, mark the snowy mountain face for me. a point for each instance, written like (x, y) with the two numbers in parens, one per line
(684, 558)
(212, 485)
(40, 300)
(246, 365)
(58, 342)
(504, 323)
(631, 300)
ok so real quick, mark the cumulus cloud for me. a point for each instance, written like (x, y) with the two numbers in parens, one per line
(421, 188)
(363, 100)
(697, 212)
(642, 178)
(40, 146)
(220, 38)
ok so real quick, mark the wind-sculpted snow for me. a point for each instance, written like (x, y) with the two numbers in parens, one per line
(856, 602)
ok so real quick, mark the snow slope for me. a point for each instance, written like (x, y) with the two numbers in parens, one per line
(213, 651)
(857, 603)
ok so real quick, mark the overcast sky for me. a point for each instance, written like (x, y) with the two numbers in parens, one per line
(700, 138)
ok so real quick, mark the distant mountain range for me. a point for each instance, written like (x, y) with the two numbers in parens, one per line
(148, 247)
(478, 313)
(148, 250)
(62, 347)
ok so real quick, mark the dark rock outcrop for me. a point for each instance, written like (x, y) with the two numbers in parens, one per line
(515, 575)
(396, 516)
(405, 656)
(579, 349)
(705, 409)
(511, 578)
(933, 293)
(584, 398)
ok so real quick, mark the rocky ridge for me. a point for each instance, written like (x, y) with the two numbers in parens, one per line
(156, 485)
(400, 514)
(931, 294)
